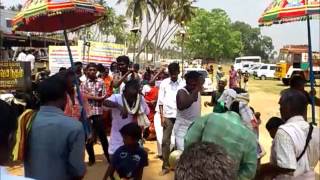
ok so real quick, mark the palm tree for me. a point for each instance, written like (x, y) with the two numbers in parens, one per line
(175, 12)
(108, 22)
(119, 29)
(183, 11)
(179, 12)
(138, 9)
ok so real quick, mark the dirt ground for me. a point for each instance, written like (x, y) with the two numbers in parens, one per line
(264, 96)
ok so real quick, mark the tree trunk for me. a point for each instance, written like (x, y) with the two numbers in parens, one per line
(154, 47)
(154, 34)
(149, 30)
(162, 44)
(146, 49)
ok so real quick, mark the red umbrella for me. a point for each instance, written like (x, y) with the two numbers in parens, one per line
(55, 15)
(285, 11)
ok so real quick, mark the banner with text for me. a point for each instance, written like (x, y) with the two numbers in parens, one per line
(59, 57)
(100, 52)
(15, 75)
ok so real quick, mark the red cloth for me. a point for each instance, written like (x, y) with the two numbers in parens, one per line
(108, 82)
(74, 109)
(151, 98)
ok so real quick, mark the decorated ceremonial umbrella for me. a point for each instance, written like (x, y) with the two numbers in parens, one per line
(55, 15)
(285, 11)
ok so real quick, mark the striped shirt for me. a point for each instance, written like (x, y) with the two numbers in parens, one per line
(95, 88)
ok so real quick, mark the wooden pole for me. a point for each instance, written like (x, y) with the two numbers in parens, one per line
(311, 70)
(85, 123)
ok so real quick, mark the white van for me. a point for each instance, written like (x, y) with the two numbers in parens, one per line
(248, 66)
(265, 71)
(208, 85)
(239, 62)
(253, 68)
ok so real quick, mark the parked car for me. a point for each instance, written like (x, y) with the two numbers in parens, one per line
(208, 85)
(245, 68)
(253, 68)
(265, 71)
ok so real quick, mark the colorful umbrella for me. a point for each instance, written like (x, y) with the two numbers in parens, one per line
(285, 11)
(55, 15)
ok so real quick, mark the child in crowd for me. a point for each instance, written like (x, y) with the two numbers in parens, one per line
(246, 76)
(273, 124)
(130, 159)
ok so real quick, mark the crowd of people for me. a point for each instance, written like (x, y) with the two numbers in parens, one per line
(81, 105)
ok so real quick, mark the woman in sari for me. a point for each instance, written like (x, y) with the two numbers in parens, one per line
(150, 92)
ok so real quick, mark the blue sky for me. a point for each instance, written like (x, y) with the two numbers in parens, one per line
(249, 12)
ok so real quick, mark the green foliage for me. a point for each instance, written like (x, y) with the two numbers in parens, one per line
(170, 53)
(137, 9)
(210, 36)
(119, 29)
(254, 43)
(113, 24)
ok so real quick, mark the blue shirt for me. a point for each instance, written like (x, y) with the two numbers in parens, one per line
(127, 162)
(55, 148)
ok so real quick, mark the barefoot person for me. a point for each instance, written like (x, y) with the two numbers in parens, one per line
(168, 110)
(95, 91)
(130, 159)
(126, 108)
(150, 92)
(189, 106)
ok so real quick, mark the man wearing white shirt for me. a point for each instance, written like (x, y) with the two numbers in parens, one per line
(30, 58)
(296, 149)
(168, 110)
(22, 56)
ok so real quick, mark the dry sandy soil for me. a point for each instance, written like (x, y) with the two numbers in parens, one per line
(264, 96)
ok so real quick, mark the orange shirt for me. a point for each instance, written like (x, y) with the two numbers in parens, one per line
(108, 82)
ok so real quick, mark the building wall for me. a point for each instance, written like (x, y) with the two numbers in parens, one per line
(4, 16)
